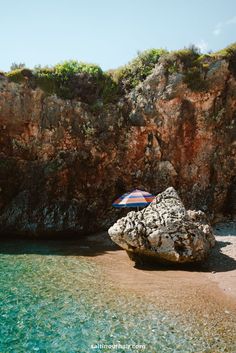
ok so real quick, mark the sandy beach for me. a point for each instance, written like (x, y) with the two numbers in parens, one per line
(216, 277)
(206, 294)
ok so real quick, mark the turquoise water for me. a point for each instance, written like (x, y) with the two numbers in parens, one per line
(51, 301)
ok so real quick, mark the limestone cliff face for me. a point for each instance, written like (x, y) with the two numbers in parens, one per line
(62, 163)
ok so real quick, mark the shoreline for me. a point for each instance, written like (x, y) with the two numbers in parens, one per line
(200, 300)
(216, 276)
(213, 282)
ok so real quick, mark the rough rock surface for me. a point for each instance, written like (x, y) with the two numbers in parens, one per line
(62, 162)
(164, 231)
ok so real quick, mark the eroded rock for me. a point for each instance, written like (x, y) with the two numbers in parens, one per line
(164, 231)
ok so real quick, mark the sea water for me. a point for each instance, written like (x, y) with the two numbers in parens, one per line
(56, 302)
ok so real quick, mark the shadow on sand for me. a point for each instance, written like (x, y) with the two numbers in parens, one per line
(216, 262)
(100, 244)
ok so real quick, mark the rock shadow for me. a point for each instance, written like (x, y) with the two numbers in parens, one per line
(216, 262)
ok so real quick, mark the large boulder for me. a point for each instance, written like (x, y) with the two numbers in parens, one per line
(164, 232)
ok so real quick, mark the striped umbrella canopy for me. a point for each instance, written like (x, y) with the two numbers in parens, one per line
(135, 198)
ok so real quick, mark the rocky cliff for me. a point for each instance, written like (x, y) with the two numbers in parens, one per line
(63, 161)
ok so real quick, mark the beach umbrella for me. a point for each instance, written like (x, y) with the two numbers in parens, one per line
(136, 198)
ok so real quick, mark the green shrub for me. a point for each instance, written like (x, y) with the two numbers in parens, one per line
(73, 67)
(228, 53)
(19, 75)
(46, 79)
(110, 91)
(191, 63)
(64, 71)
(232, 60)
(58, 79)
(73, 79)
(187, 56)
(138, 69)
(16, 76)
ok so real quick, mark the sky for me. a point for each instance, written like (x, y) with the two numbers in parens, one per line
(108, 32)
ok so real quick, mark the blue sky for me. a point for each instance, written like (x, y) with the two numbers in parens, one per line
(108, 32)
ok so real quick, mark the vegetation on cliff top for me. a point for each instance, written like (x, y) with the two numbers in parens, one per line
(229, 53)
(72, 79)
(191, 63)
(138, 69)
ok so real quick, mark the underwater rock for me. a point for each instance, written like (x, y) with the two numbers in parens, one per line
(164, 232)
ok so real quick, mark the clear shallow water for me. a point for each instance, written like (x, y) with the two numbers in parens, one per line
(53, 302)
